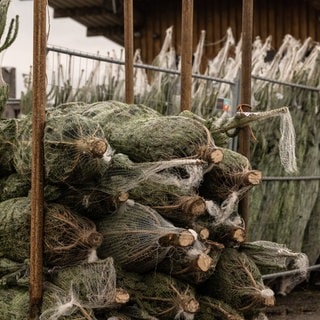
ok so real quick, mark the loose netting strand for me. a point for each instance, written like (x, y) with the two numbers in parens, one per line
(123, 174)
(287, 143)
(59, 304)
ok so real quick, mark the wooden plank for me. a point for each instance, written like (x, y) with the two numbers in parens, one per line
(186, 54)
(245, 97)
(128, 48)
(37, 173)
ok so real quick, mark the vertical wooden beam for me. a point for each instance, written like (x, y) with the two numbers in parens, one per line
(245, 96)
(186, 54)
(128, 47)
(37, 174)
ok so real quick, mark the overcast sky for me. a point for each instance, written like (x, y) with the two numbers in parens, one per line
(63, 32)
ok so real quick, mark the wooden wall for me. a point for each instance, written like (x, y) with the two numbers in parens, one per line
(271, 17)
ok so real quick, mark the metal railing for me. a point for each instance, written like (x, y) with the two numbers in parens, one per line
(289, 272)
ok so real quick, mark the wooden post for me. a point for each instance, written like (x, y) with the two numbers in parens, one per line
(245, 96)
(37, 175)
(128, 47)
(186, 54)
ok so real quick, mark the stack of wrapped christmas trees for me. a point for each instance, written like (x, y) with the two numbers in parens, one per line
(141, 217)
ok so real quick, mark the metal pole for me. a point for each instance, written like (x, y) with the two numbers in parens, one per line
(37, 175)
(128, 47)
(289, 272)
(186, 54)
(245, 96)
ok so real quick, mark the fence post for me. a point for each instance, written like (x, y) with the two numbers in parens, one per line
(128, 48)
(245, 96)
(37, 174)
(186, 54)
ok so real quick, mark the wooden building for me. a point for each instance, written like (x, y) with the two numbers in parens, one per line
(300, 18)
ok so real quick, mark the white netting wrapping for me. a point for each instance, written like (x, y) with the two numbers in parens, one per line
(301, 263)
(138, 237)
(271, 257)
(124, 174)
(58, 304)
(287, 143)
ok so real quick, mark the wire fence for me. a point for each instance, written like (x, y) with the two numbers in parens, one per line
(289, 272)
(80, 54)
(99, 77)
(90, 63)
(290, 178)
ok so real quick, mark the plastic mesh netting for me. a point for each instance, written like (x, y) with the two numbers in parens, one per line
(138, 237)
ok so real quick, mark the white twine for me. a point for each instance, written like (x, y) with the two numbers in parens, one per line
(287, 143)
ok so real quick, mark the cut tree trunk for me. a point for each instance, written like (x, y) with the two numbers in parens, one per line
(193, 265)
(232, 174)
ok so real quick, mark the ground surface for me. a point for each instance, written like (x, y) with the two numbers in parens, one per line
(301, 304)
